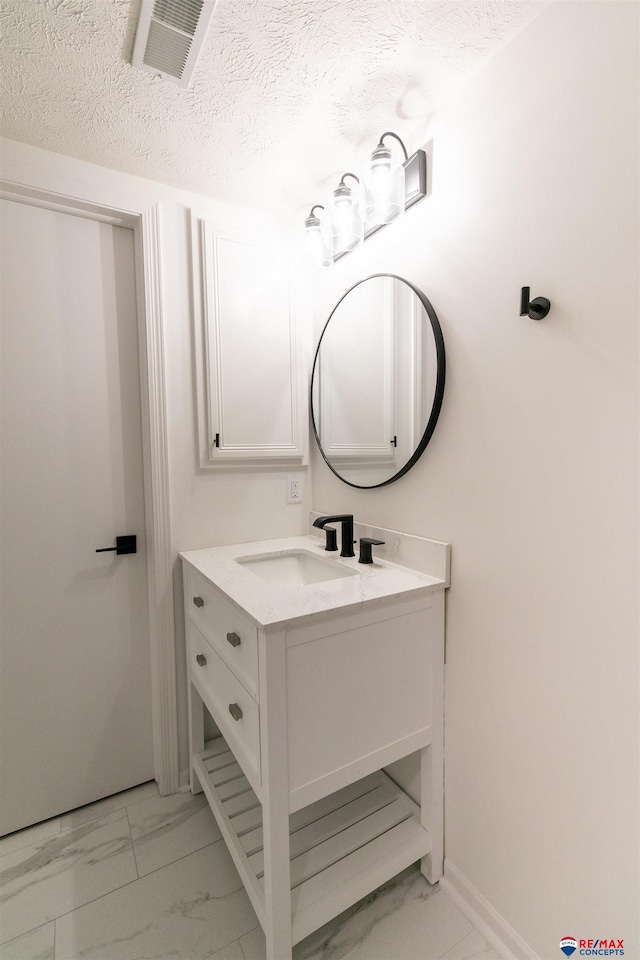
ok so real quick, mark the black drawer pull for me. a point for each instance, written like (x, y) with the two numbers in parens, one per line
(198, 601)
(201, 660)
(234, 639)
(235, 711)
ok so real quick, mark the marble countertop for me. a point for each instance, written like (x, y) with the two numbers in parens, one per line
(273, 605)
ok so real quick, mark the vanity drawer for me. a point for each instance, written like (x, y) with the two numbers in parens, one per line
(234, 638)
(234, 711)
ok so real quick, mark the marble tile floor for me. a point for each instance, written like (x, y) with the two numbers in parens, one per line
(139, 876)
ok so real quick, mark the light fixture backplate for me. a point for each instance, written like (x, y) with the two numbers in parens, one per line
(415, 178)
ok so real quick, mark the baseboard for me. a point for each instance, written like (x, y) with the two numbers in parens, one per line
(183, 781)
(493, 927)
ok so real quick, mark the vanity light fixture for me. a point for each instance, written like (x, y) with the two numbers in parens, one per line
(316, 239)
(384, 199)
(353, 213)
(345, 216)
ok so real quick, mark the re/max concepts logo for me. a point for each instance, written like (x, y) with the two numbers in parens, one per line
(592, 948)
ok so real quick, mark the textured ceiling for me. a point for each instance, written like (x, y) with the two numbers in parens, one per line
(286, 95)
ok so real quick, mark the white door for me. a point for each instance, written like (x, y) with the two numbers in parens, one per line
(75, 682)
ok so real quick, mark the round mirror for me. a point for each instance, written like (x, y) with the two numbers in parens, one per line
(377, 381)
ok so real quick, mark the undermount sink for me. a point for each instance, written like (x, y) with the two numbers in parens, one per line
(295, 568)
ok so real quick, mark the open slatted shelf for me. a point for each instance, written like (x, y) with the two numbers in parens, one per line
(341, 847)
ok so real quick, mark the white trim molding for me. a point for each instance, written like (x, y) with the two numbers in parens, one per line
(160, 575)
(145, 221)
(491, 924)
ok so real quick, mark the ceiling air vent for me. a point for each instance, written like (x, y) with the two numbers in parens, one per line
(169, 37)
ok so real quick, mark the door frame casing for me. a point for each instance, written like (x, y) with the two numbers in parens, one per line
(144, 220)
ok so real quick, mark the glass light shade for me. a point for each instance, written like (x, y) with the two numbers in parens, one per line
(317, 241)
(345, 219)
(384, 193)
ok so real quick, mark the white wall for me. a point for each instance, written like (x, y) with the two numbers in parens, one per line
(207, 509)
(532, 473)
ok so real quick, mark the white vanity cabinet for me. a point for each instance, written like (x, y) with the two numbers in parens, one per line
(311, 707)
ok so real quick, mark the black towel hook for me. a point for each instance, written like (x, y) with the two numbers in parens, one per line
(536, 309)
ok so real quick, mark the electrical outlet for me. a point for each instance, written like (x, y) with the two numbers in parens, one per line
(294, 488)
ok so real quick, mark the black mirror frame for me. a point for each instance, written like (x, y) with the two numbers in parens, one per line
(439, 390)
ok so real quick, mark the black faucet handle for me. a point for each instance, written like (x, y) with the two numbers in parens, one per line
(366, 543)
(332, 538)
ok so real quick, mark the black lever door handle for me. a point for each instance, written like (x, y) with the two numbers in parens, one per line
(126, 544)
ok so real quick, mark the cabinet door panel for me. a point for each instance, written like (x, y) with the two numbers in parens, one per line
(251, 376)
(355, 692)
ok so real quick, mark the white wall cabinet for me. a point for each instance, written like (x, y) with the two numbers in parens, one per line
(251, 406)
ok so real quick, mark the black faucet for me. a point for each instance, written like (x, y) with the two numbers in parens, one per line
(346, 541)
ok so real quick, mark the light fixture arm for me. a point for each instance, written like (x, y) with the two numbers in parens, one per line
(343, 184)
(390, 133)
(316, 206)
